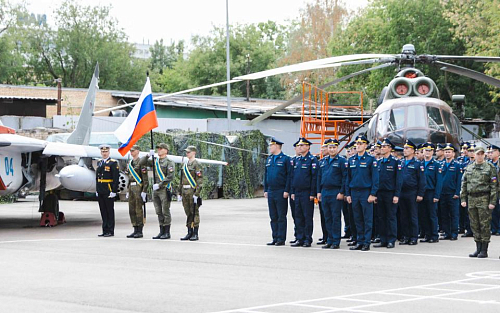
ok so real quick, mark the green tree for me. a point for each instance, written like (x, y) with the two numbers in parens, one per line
(84, 35)
(264, 43)
(386, 25)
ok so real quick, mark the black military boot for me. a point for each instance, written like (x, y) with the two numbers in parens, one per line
(166, 232)
(484, 250)
(133, 234)
(189, 234)
(139, 232)
(162, 232)
(478, 250)
(195, 234)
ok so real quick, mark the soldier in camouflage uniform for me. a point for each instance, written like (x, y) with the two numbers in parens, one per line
(479, 191)
(162, 189)
(190, 189)
(137, 190)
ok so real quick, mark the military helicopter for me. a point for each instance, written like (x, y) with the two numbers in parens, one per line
(409, 107)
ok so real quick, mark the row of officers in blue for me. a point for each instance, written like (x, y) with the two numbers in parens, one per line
(383, 198)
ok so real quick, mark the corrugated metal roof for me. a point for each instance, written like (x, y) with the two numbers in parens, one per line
(239, 105)
(41, 99)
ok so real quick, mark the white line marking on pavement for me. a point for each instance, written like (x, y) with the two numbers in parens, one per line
(409, 297)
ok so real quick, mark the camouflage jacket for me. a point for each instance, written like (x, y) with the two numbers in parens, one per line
(480, 178)
(140, 167)
(167, 168)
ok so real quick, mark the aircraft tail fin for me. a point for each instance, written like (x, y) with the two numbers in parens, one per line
(81, 134)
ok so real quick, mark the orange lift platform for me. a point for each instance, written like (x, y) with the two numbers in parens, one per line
(318, 121)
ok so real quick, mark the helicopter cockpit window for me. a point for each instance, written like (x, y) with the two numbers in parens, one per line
(434, 118)
(396, 119)
(416, 116)
(447, 121)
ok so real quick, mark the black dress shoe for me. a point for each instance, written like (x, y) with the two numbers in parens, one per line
(445, 238)
(453, 238)
(108, 235)
(327, 246)
(346, 236)
(412, 243)
(365, 248)
(335, 247)
(306, 244)
(350, 239)
(390, 245)
(279, 243)
(297, 244)
(376, 240)
(380, 245)
(404, 242)
(101, 235)
(352, 243)
(356, 247)
(293, 241)
(424, 240)
(272, 243)
(467, 234)
(433, 240)
(321, 242)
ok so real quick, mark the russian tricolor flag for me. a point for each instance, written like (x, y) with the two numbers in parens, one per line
(141, 120)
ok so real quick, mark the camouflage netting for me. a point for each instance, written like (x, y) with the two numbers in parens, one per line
(241, 178)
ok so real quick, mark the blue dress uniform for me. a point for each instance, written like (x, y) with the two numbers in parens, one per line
(107, 181)
(362, 181)
(276, 183)
(332, 175)
(451, 177)
(413, 187)
(495, 216)
(427, 207)
(390, 183)
(303, 186)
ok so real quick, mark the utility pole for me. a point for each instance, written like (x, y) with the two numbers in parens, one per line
(228, 67)
(59, 95)
(248, 81)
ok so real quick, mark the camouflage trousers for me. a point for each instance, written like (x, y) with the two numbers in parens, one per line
(188, 204)
(480, 218)
(135, 205)
(162, 206)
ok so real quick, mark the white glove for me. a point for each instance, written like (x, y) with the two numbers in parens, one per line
(112, 195)
(179, 198)
(96, 194)
(126, 196)
(151, 153)
(156, 186)
(143, 195)
(195, 198)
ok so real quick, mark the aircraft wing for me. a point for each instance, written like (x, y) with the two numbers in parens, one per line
(65, 149)
(20, 144)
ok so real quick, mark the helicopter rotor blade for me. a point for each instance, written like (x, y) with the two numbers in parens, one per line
(310, 65)
(468, 73)
(467, 58)
(280, 107)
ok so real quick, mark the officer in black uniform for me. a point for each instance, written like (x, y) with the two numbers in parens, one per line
(107, 179)
(276, 189)
(412, 192)
(390, 183)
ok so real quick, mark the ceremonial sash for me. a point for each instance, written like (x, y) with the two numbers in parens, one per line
(160, 174)
(136, 177)
(188, 176)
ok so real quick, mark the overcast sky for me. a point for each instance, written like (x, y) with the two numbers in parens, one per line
(152, 20)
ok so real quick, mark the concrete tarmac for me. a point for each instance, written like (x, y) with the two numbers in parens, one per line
(69, 269)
